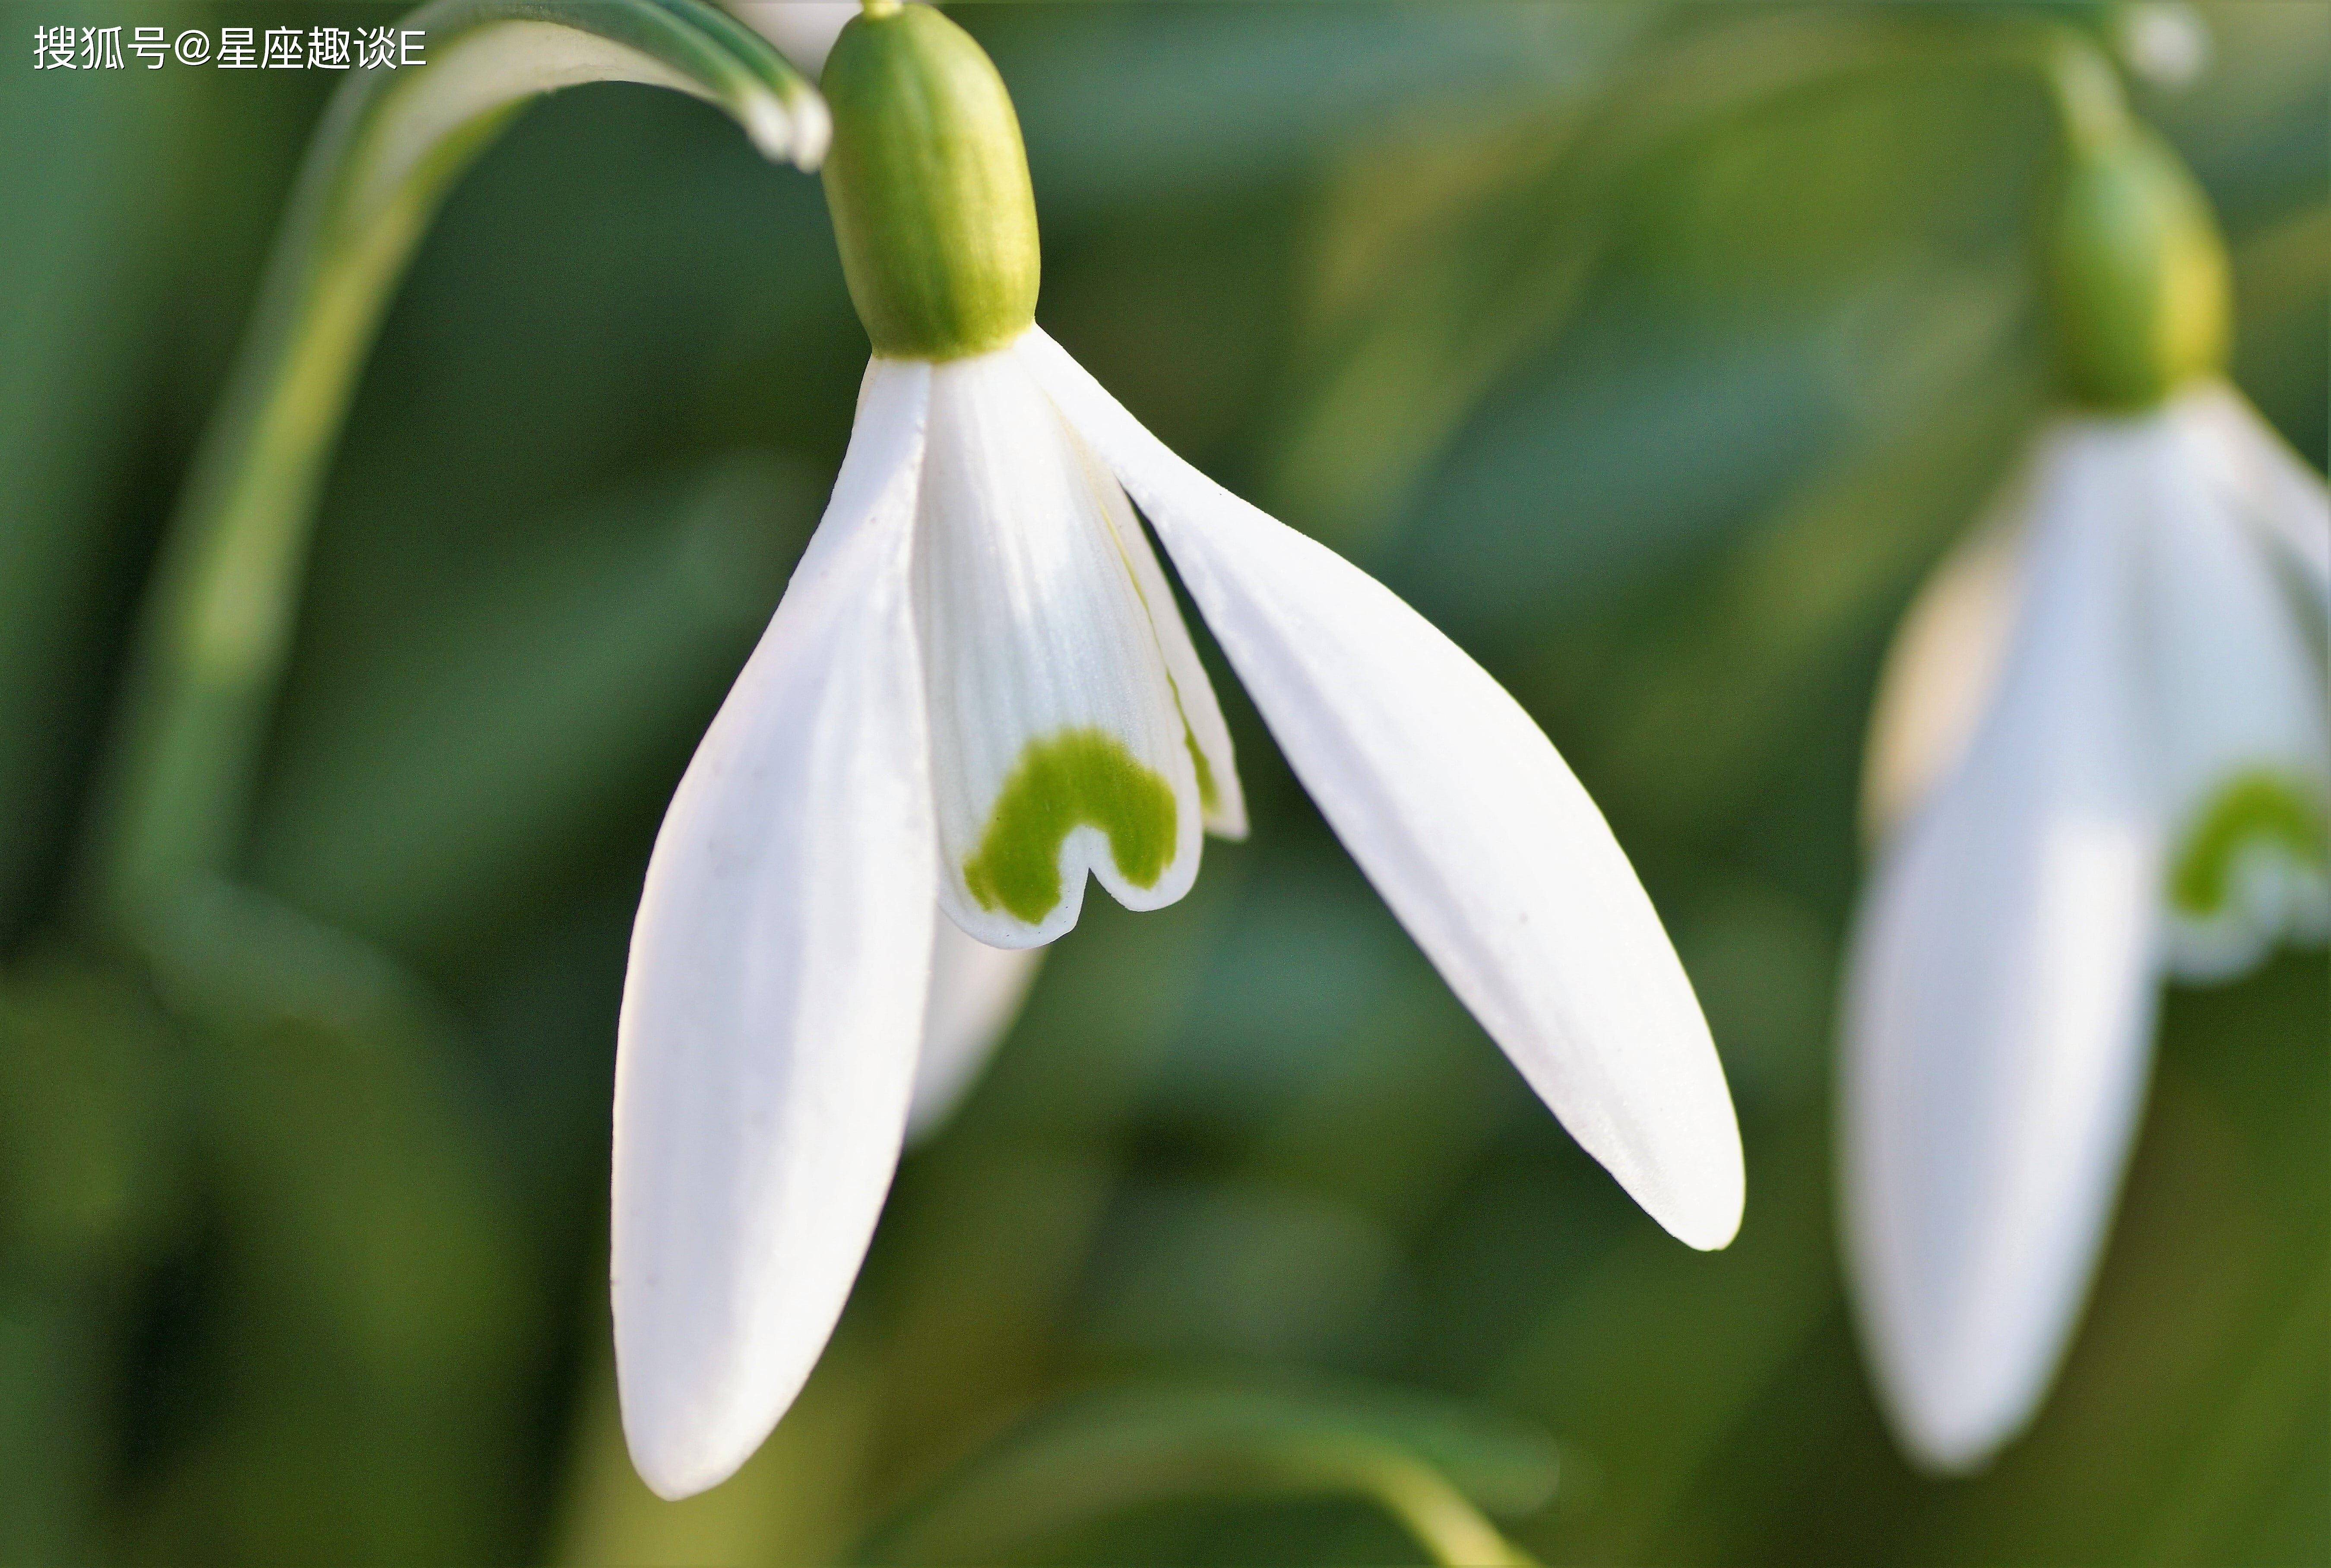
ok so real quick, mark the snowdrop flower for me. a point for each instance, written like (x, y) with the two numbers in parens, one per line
(2099, 758)
(977, 692)
(975, 990)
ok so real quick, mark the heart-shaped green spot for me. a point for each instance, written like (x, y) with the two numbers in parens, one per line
(1077, 778)
(2254, 806)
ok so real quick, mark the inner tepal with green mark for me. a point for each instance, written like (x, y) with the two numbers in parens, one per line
(2259, 806)
(1082, 777)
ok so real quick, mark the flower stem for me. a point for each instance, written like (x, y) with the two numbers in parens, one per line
(2083, 88)
(1102, 1456)
(222, 607)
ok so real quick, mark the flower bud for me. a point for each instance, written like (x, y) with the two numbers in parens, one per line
(927, 183)
(2136, 274)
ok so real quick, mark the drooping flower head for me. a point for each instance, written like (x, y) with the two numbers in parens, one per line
(2099, 756)
(977, 693)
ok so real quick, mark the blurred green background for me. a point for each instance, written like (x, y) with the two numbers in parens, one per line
(1654, 352)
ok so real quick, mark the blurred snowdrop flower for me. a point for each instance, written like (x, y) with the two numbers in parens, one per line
(977, 692)
(2099, 756)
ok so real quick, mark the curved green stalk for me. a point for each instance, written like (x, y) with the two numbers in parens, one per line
(1102, 1454)
(221, 613)
(1434, 1514)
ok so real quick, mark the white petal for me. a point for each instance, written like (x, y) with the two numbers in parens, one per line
(2275, 490)
(1458, 809)
(1940, 673)
(1056, 744)
(976, 996)
(771, 1010)
(1999, 1001)
(2246, 753)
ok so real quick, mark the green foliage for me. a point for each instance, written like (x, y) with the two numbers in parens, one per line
(1656, 352)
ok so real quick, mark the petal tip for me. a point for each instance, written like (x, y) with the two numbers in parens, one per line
(1227, 821)
(1953, 1460)
(1706, 1216)
(1953, 1401)
(1687, 1170)
(1954, 1435)
(690, 1420)
(676, 1458)
(673, 1484)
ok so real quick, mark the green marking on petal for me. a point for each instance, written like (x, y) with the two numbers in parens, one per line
(1077, 778)
(1209, 797)
(2259, 805)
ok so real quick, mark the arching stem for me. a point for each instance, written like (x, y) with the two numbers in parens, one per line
(222, 607)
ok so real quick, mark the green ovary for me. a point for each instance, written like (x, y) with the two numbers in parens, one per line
(1077, 778)
(2259, 805)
